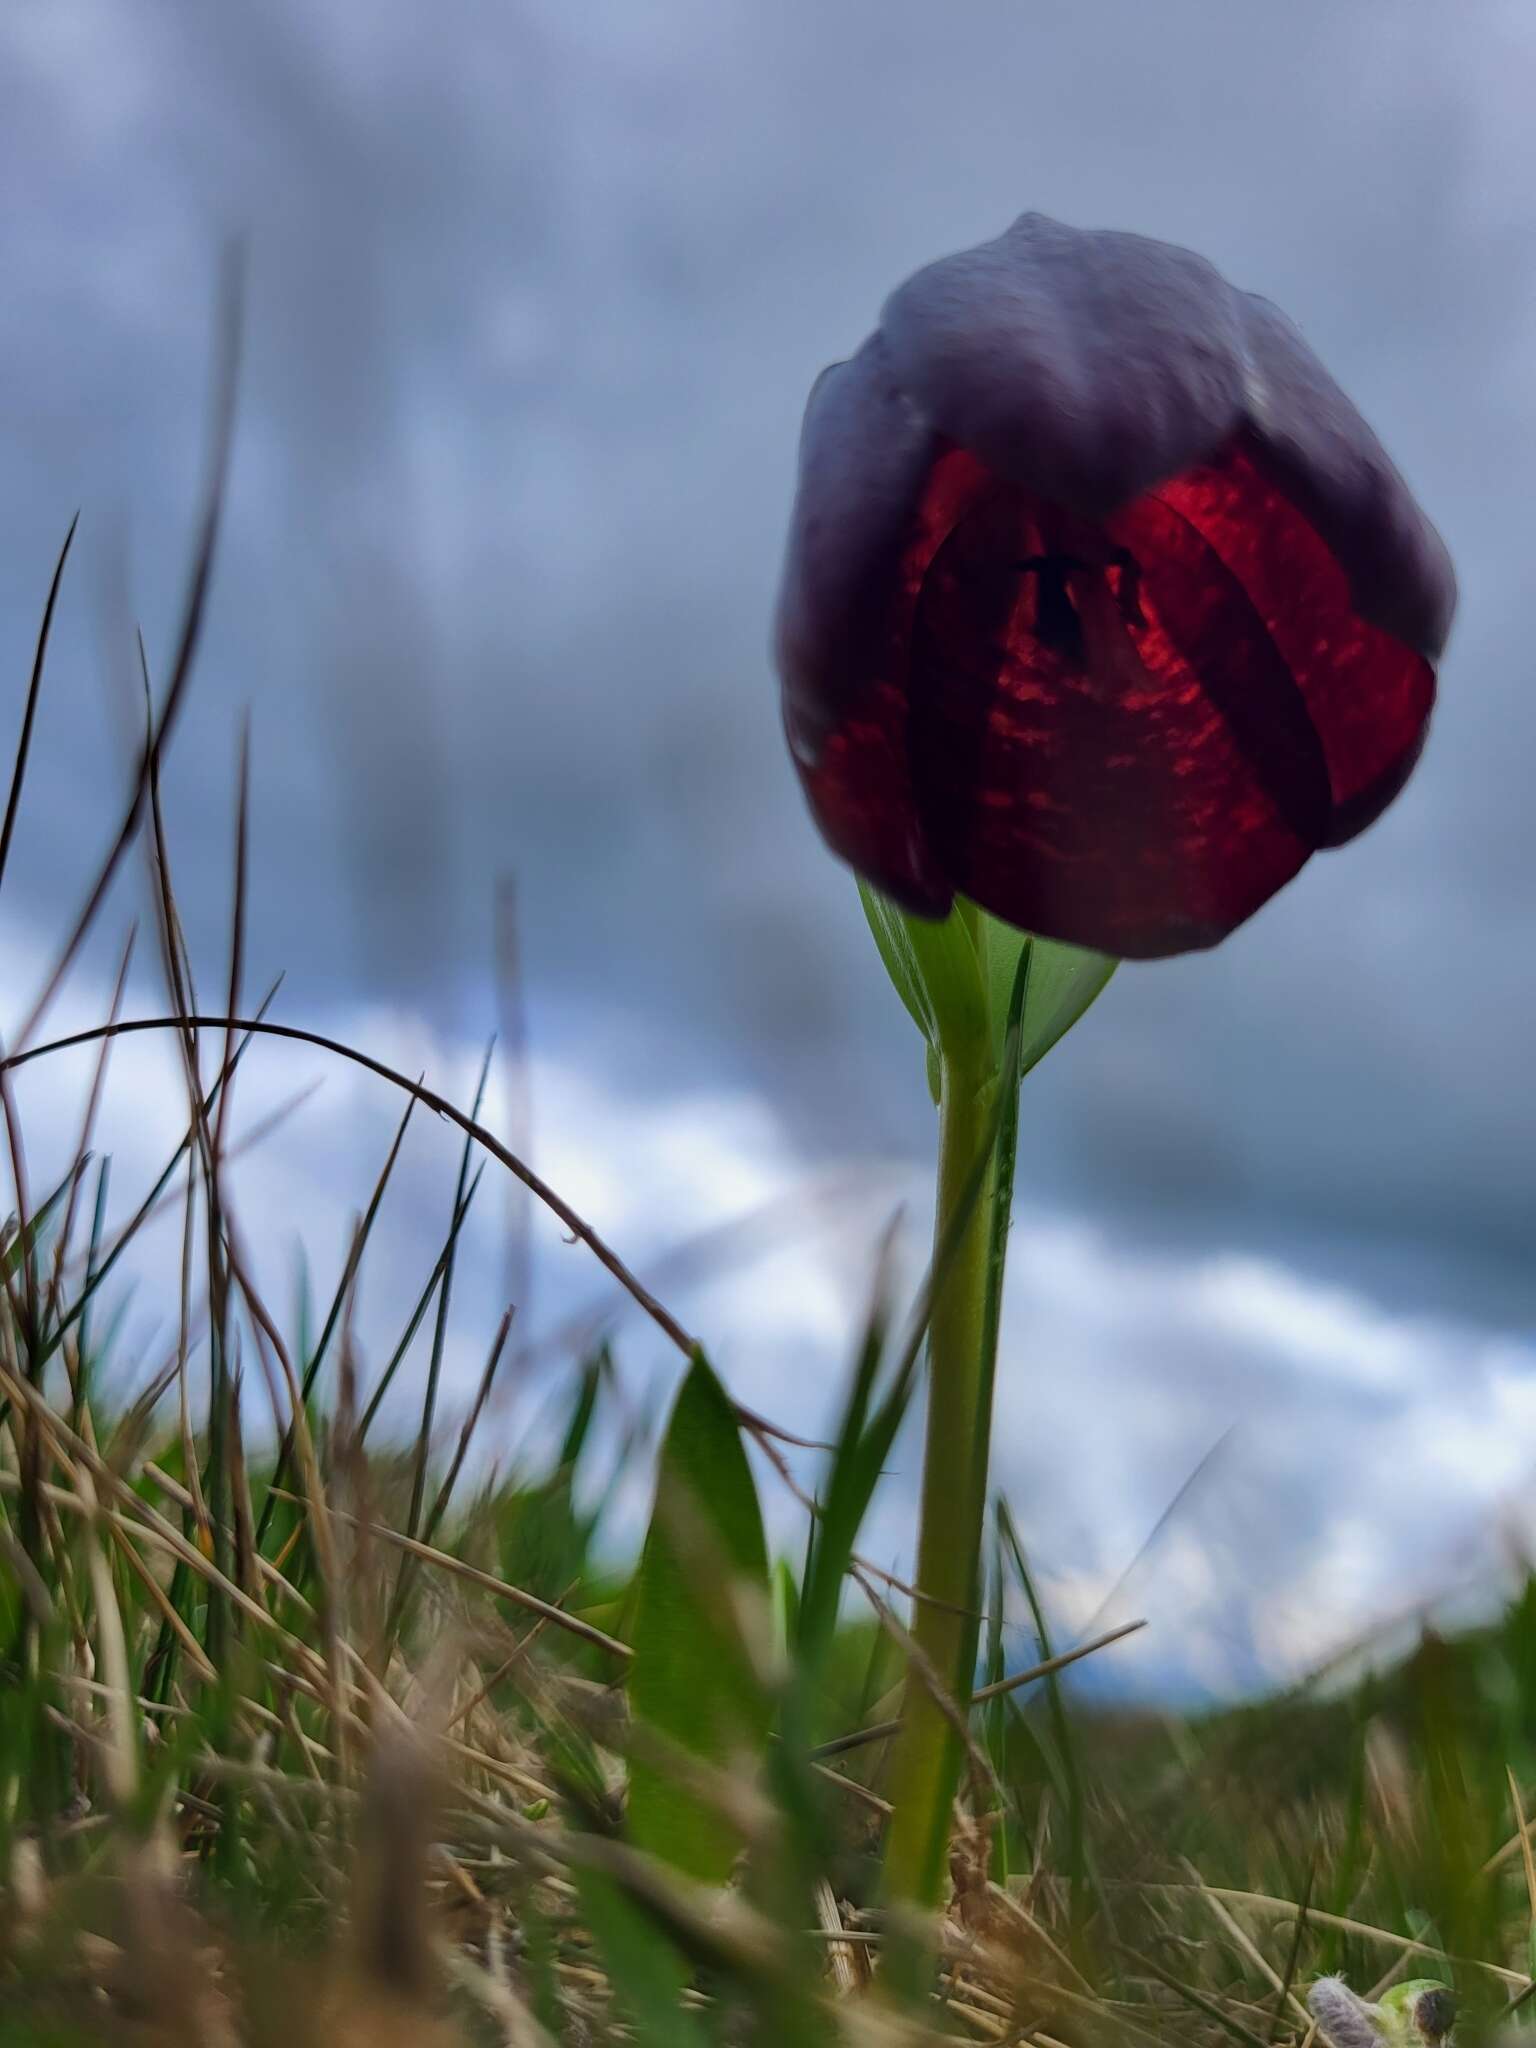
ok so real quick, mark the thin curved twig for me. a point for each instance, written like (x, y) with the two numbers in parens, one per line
(428, 1097)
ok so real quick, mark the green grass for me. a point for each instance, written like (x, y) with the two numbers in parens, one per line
(362, 1767)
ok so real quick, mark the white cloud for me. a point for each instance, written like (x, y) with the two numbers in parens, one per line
(1370, 1452)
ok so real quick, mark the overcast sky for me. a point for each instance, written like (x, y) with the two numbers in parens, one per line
(536, 293)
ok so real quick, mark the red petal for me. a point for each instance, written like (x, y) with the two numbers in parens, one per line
(1108, 802)
(859, 776)
(1148, 793)
(1369, 696)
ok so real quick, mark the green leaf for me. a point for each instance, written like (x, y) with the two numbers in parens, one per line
(996, 1722)
(786, 1608)
(892, 938)
(648, 1973)
(694, 1683)
(933, 967)
(23, 1242)
(1063, 982)
(956, 978)
(872, 1418)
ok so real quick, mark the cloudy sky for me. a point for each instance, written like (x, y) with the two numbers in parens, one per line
(536, 292)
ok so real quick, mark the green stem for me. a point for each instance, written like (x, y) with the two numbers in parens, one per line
(961, 1346)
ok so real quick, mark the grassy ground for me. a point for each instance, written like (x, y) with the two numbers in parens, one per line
(301, 1773)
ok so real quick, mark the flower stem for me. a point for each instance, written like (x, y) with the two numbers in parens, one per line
(962, 1342)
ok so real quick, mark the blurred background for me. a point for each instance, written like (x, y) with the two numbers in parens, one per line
(536, 292)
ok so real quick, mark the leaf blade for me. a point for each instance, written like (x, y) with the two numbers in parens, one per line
(694, 1683)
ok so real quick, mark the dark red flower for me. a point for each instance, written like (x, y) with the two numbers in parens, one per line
(1103, 606)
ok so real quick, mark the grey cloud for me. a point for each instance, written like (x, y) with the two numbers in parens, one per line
(536, 296)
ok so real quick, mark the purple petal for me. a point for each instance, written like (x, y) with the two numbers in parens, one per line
(1083, 366)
